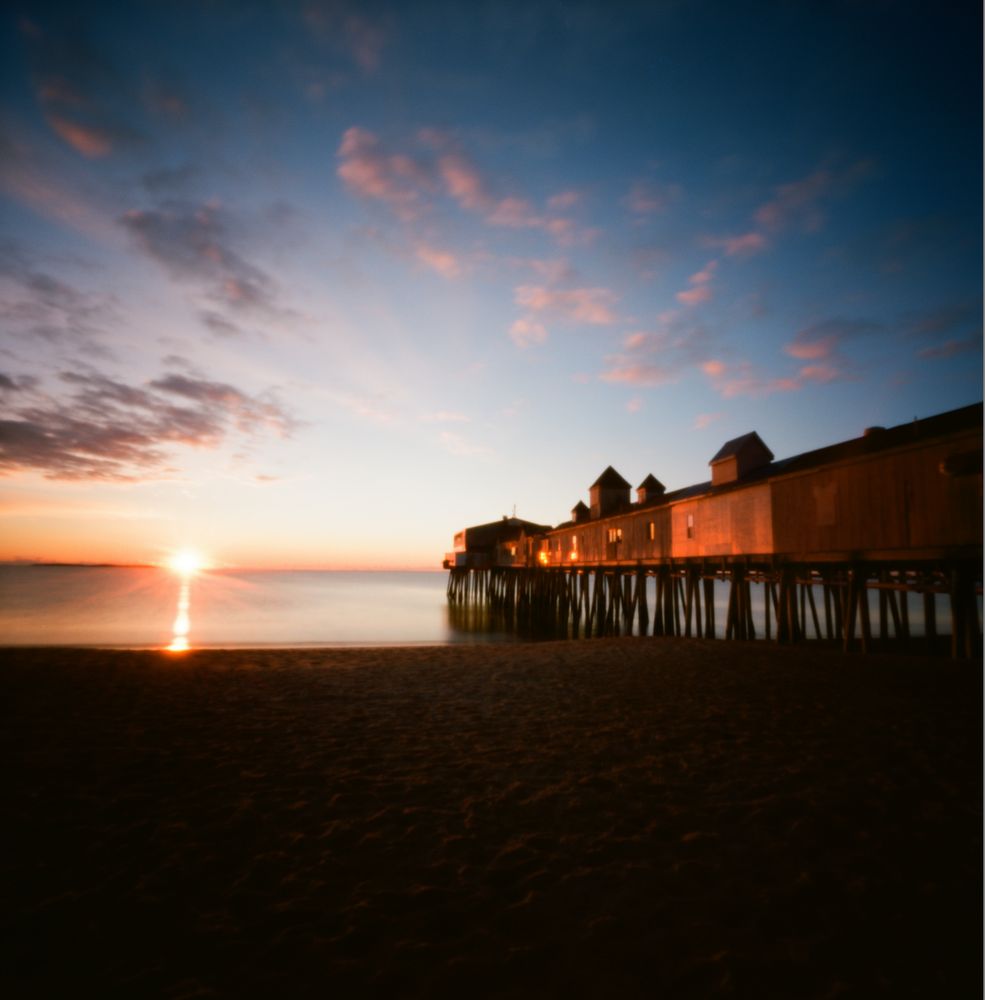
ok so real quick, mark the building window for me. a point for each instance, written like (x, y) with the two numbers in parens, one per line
(690, 526)
(618, 534)
(653, 531)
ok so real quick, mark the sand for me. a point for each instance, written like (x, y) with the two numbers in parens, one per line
(609, 818)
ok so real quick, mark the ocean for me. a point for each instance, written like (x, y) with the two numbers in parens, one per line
(149, 607)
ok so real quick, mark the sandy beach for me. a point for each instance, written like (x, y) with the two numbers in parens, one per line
(609, 818)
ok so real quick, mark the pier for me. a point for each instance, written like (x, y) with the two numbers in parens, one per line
(871, 543)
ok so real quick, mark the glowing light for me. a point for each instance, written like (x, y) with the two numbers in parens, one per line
(187, 562)
(182, 623)
(542, 557)
(574, 555)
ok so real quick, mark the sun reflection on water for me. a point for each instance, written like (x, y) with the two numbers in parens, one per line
(182, 624)
(186, 564)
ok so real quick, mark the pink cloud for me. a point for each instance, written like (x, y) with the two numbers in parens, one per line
(641, 374)
(713, 368)
(823, 340)
(362, 39)
(564, 200)
(812, 350)
(441, 261)
(798, 199)
(703, 420)
(581, 305)
(705, 275)
(692, 296)
(647, 198)
(514, 213)
(368, 170)
(464, 183)
(739, 246)
(819, 373)
(527, 332)
(743, 380)
(93, 143)
(800, 202)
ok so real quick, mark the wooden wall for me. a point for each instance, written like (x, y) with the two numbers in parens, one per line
(894, 501)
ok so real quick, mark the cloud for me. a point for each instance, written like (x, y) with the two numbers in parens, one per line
(456, 444)
(27, 177)
(346, 28)
(646, 198)
(692, 296)
(947, 331)
(951, 348)
(441, 261)
(219, 324)
(703, 420)
(634, 405)
(526, 332)
(192, 243)
(109, 430)
(168, 180)
(370, 171)
(655, 357)
(83, 96)
(35, 304)
(824, 340)
(801, 202)
(705, 275)
(638, 373)
(461, 178)
(564, 200)
(445, 417)
(593, 306)
(743, 380)
(701, 285)
(409, 184)
(738, 246)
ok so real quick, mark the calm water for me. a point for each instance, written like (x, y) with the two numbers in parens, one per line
(143, 607)
(54, 605)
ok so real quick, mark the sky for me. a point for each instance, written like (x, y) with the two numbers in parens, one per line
(316, 284)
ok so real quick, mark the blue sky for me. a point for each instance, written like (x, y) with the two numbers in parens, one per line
(316, 284)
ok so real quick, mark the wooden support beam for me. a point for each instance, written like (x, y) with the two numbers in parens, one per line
(709, 584)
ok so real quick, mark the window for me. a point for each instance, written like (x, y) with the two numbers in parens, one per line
(690, 526)
(653, 531)
(615, 535)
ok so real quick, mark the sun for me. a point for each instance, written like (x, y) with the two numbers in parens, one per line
(187, 562)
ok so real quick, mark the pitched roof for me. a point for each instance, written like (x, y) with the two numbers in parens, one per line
(580, 506)
(651, 483)
(610, 480)
(732, 448)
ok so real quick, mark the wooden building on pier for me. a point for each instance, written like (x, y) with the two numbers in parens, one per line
(897, 509)
(909, 492)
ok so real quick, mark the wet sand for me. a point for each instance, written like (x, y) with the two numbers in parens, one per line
(609, 818)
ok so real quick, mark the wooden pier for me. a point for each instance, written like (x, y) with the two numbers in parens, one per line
(859, 607)
(872, 543)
